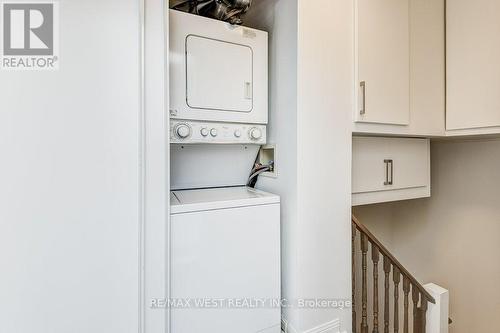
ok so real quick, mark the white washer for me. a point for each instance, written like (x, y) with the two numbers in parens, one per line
(225, 250)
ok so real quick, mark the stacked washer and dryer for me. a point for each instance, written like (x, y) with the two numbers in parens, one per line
(225, 237)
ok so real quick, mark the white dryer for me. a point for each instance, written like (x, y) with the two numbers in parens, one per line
(218, 100)
(225, 262)
(218, 71)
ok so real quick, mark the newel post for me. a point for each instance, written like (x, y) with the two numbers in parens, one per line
(437, 314)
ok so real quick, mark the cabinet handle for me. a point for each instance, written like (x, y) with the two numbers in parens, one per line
(362, 84)
(389, 172)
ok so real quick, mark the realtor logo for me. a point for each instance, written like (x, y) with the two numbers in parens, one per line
(30, 36)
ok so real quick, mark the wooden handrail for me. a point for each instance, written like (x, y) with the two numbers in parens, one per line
(372, 239)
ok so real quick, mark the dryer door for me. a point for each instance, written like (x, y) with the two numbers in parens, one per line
(218, 75)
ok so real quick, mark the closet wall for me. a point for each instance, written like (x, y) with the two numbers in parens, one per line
(310, 123)
(281, 129)
(71, 198)
(452, 238)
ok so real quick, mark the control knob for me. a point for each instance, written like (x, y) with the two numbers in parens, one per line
(255, 133)
(182, 131)
(204, 131)
(213, 132)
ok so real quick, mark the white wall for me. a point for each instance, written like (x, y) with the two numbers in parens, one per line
(156, 165)
(310, 120)
(378, 219)
(325, 97)
(72, 179)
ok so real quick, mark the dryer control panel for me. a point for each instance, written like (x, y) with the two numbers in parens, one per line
(187, 132)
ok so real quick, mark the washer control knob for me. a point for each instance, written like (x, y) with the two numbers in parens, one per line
(237, 133)
(204, 131)
(213, 132)
(255, 133)
(182, 131)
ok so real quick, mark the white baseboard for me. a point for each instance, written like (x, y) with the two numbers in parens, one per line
(330, 327)
(285, 327)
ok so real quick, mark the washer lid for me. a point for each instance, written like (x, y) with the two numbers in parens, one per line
(187, 201)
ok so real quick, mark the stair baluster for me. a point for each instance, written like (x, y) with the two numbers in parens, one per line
(364, 300)
(353, 237)
(423, 311)
(415, 296)
(396, 276)
(375, 260)
(406, 290)
(387, 270)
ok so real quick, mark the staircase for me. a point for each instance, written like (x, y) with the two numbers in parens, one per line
(398, 315)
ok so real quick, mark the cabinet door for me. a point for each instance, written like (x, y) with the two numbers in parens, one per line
(386, 169)
(383, 62)
(473, 67)
(368, 167)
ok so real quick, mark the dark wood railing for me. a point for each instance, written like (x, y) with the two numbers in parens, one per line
(419, 296)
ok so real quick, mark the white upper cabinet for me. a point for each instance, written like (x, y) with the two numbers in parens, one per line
(389, 169)
(400, 67)
(383, 56)
(473, 65)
